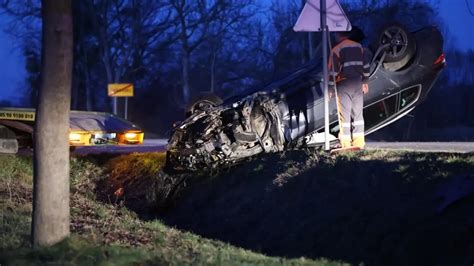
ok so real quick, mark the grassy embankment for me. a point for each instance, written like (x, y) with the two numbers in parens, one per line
(370, 207)
(106, 231)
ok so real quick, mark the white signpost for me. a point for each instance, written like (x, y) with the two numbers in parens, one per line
(324, 16)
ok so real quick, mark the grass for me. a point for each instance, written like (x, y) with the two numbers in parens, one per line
(369, 207)
(106, 233)
(79, 251)
(15, 200)
(137, 181)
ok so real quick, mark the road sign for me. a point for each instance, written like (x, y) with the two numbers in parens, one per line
(120, 90)
(310, 17)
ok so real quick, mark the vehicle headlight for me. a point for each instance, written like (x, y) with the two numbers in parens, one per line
(130, 136)
(74, 137)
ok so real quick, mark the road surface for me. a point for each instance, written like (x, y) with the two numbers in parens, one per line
(159, 145)
(455, 147)
(149, 145)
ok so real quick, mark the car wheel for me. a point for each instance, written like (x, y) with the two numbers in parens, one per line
(203, 103)
(402, 46)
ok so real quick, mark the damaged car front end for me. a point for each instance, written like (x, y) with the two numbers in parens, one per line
(227, 134)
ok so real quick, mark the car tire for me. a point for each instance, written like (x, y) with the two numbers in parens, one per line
(203, 103)
(402, 46)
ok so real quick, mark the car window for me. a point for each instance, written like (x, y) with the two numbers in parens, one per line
(408, 96)
(378, 112)
(373, 114)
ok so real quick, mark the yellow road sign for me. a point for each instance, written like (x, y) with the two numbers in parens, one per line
(17, 115)
(120, 90)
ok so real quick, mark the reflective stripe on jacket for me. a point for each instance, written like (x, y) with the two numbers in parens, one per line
(349, 61)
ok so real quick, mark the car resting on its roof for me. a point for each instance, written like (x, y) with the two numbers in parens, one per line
(289, 113)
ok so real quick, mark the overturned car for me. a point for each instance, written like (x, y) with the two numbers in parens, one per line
(289, 113)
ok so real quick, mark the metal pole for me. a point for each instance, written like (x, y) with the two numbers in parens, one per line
(126, 107)
(325, 73)
(114, 105)
(310, 45)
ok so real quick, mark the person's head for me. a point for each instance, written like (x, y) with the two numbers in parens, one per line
(340, 36)
(355, 34)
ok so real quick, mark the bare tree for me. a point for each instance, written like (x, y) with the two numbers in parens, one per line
(50, 222)
(470, 8)
(126, 32)
(289, 48)
(200, 21)
(25, 27)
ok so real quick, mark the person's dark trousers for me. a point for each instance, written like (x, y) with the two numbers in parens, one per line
(350, 101)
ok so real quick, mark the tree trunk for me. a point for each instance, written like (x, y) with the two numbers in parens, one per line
(88, 91)
(213, 71)
(50, 222)
(185, 69)
(75, 91)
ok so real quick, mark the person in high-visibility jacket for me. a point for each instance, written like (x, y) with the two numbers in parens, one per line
(349, 67)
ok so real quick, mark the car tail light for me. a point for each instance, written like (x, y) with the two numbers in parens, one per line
(440, 60)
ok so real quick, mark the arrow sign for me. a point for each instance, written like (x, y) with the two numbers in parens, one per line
(310, 18)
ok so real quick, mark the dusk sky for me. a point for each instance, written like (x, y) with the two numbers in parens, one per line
(455, 13)
(12, 67)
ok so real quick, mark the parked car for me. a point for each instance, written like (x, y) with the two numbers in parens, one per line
(289, 113)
